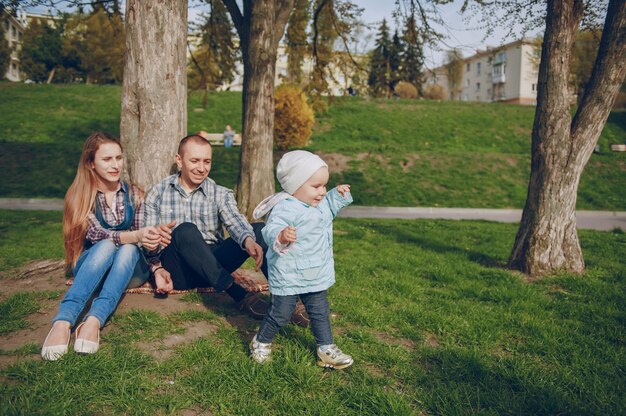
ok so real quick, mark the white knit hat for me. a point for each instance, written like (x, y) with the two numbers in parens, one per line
(296, 167)
(293, 170)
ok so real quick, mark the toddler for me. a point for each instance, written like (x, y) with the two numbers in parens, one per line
(299, 233)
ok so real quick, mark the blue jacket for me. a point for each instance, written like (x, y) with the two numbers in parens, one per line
(306, 265)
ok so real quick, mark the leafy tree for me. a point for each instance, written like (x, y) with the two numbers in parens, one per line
(396, 58)
(454, 72)
(214, 60)
(380, 67)
(296, 40)
(41, 51)
(413, 58)
(324, 40)
(583, 56)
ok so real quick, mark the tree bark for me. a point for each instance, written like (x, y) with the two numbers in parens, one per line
(547, 240)
(260, 27)
(154, 92)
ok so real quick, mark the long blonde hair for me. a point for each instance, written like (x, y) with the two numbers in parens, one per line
(80, 198)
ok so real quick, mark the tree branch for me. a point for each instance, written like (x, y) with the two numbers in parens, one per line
(283, 10)
(237, 17)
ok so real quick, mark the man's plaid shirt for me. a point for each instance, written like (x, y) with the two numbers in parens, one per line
(209, 207)
(95, 230)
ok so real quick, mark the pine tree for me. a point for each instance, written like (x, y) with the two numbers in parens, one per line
(296, 37)
(380, 70)
(413, 59)
(396, 57)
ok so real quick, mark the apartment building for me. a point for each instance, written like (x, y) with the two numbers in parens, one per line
(506, 74)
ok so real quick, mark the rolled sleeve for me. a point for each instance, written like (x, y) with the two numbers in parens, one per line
(238, 227)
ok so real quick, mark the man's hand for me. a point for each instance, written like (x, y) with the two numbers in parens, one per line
(163, 281)
(255, 251)
(287, 235)
(165, 233)
(148, 237)
(343, 189)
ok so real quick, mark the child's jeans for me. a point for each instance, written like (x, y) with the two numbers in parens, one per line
(281, 308)
(104, 261)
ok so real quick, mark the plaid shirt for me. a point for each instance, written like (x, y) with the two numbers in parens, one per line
(210, 207)
(95, 230)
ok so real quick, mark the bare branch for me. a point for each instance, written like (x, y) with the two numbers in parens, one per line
(237, 17)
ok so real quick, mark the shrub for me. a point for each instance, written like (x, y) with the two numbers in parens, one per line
(434, 92)
(405, 90)
(294, 118)
(620, 101)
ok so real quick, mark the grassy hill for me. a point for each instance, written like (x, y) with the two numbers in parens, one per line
(395, 153)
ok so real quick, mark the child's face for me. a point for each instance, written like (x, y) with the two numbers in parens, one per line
(313, 190)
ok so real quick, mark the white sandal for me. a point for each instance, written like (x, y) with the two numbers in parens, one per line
(54, 352)
(83, 346)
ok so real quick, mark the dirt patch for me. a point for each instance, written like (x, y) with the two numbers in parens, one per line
(389, 339)
(50, 276)
(164, 348)
(336, 162)
(431, 340)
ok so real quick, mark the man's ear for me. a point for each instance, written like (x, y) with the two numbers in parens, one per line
(179, 161)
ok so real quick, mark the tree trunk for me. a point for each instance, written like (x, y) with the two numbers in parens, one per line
(51, 75)
(154, 92)
(547, 240)
(260, 27)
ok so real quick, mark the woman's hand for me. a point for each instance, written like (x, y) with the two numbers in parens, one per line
(149, 237)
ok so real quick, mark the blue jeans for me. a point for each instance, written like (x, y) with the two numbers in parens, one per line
(103, 261)
(281, 308)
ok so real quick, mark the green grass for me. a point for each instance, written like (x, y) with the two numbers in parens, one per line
(420, 153)
(14, 309)
(26, 236)
(435, 324)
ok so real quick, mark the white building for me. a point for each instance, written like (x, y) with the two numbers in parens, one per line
(507, 74)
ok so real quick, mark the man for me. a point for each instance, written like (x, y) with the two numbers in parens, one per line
(196, 210)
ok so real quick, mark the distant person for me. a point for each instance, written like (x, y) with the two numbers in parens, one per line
(299, 235)
(229, 136)
(102, 225)
(199, 254)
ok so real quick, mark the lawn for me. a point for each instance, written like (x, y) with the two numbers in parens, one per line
(435, 324)
(393, 153)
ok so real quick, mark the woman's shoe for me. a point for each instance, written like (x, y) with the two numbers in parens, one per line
(54, 352)
(83, 346)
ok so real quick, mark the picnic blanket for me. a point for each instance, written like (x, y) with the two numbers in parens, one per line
(250, 280)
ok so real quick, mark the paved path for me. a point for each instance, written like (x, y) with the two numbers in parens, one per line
(595, 220)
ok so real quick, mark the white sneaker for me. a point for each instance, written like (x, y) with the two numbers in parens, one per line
(260, 351)
(333, 358)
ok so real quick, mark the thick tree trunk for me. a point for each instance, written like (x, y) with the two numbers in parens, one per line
(260, 27)
(547, 240)
(154, 93)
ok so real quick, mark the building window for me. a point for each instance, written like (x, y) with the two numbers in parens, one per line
(14, 31)
(478, 68)
(468, 67)
(467, 82)
(534, 87)
(478, 86)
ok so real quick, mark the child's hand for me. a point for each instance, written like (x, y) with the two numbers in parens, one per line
(343, 189)
(287, 235)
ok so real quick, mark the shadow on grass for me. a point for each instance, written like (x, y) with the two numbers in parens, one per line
(483, 383)
(404, 236)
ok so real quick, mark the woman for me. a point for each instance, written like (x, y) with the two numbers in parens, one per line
(102, 222)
